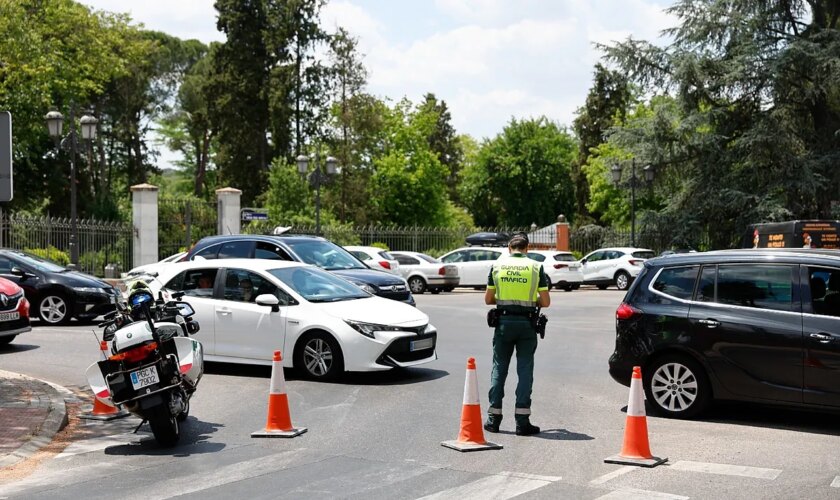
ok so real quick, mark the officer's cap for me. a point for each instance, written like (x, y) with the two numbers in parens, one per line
(518, 240)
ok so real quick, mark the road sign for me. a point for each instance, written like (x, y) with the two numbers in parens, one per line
(249, 214)
(5, 156)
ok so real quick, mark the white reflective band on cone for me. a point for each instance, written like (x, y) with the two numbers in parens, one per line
(471, 388)
(278, 383)
(636, 403)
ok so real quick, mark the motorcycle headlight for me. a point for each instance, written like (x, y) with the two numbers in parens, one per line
(368, 329)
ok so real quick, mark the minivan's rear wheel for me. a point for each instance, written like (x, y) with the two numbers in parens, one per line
(622, 280)
(676, 386)
(416, 285)
(319, 357)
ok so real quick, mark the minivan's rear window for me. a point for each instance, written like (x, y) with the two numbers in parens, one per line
(644, 254)
(677, 282)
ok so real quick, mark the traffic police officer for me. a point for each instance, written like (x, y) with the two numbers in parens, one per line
(517, 285)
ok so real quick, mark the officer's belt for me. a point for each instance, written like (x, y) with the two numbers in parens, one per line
(525, 314)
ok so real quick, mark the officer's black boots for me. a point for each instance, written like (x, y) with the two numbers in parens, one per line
(492, 423)
(527, 429)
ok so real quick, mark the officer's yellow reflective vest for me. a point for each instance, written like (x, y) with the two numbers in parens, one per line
(516, 280)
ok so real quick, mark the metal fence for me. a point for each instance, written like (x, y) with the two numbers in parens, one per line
(591, 238)
(182, 222)
(100, 242)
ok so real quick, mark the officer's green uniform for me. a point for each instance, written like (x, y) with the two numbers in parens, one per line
(517, 281)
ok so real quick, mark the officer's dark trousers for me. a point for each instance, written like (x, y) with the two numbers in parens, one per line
(513, 333)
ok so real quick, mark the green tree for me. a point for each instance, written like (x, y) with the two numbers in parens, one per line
(758, 109)
(522, 175)
(444, 141)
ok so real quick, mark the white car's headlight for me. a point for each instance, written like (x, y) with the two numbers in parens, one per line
(430, 329)
(368, 329)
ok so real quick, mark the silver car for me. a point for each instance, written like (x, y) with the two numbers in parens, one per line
(426, 273)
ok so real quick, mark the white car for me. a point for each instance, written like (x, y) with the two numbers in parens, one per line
(376, 258)
(324, 325)
(474, 263)
(614, 266)
(423, 272)
(154, 267)
(561, 267)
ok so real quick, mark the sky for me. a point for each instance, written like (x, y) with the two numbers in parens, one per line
(490, 60)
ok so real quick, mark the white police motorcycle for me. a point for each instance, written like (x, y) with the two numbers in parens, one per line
(154, 366)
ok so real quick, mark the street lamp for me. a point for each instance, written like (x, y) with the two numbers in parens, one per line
(55, 125)
(317, 177)
(633, 181)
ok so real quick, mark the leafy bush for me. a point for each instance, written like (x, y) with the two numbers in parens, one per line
(379, 244)
(50, 253)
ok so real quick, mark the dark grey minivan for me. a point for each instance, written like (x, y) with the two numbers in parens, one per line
(750, 325)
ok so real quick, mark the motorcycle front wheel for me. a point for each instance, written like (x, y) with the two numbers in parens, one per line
(165, 427)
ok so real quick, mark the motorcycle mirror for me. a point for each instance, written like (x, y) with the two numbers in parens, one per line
(185, 309)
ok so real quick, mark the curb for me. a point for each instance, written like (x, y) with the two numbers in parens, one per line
(55, 421)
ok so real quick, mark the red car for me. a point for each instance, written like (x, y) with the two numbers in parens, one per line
(14, 311)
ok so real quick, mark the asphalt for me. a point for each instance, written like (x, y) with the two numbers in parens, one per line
(32, 411)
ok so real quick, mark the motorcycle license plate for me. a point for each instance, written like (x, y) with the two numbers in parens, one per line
(418, 345)
(144, 378)
(9, 316)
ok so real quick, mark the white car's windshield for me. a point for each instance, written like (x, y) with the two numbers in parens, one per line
(325, 255)
(316, 285)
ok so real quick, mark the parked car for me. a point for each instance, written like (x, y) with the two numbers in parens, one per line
(423, 272)
(749, 325)
(614, 266)
(14, 311)
(57, 293)
(155, 267)
(376, 258)
(309, 249)
(248, 308)
(473, 263)
(562, 268)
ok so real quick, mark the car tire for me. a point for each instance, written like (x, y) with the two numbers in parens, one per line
(318, 356)
(7, 339)
(622, 280)
(434, 291)
(576, 286)
(449, 289)
(53, 309)
(417, 285)
(676, 386)
(601, 287)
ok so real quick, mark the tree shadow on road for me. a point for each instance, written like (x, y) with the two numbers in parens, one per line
(194, 441)
(396, 376)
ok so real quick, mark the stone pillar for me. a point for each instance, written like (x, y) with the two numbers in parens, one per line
(562, 232)
(228, 210)
(144, 214)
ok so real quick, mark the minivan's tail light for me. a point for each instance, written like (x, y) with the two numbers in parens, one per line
(385, 264)
(442, 271)
(635, 262)
(626, 311)
(560, 266)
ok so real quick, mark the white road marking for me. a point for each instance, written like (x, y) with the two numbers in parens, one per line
(499, 486)
(612, 475)
(216, 477)
(634, 494)
(100, 443)
(836, 482)
(551, 479)
(727, 470)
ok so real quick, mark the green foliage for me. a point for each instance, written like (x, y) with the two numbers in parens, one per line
(50, 253)
(289, 199)
(522, 175)
(379, 244)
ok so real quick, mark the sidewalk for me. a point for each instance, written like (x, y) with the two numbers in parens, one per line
(31, 413)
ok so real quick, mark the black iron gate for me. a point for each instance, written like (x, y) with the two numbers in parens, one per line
(182, 222)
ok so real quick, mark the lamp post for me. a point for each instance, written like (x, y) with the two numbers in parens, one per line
(317, 177)
(633, 181)
(55, 124)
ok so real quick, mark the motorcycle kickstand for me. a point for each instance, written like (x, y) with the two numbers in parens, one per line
(139, 426)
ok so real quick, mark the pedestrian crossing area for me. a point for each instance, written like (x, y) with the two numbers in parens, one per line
(131, 466)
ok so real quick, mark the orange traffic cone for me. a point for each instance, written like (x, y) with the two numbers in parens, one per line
(471, 437)
(103, 411)
(636, 448)
(279, 422)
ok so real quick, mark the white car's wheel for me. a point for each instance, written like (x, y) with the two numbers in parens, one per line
(622, 280)
(417, 285)
(319, 356)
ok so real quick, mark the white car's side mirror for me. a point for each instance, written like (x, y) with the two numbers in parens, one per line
(270, 300)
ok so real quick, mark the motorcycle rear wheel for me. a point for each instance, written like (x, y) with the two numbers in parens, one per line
(165, 427)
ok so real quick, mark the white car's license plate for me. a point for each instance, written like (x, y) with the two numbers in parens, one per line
(9, 316)
(144, 378)
(418, 345)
